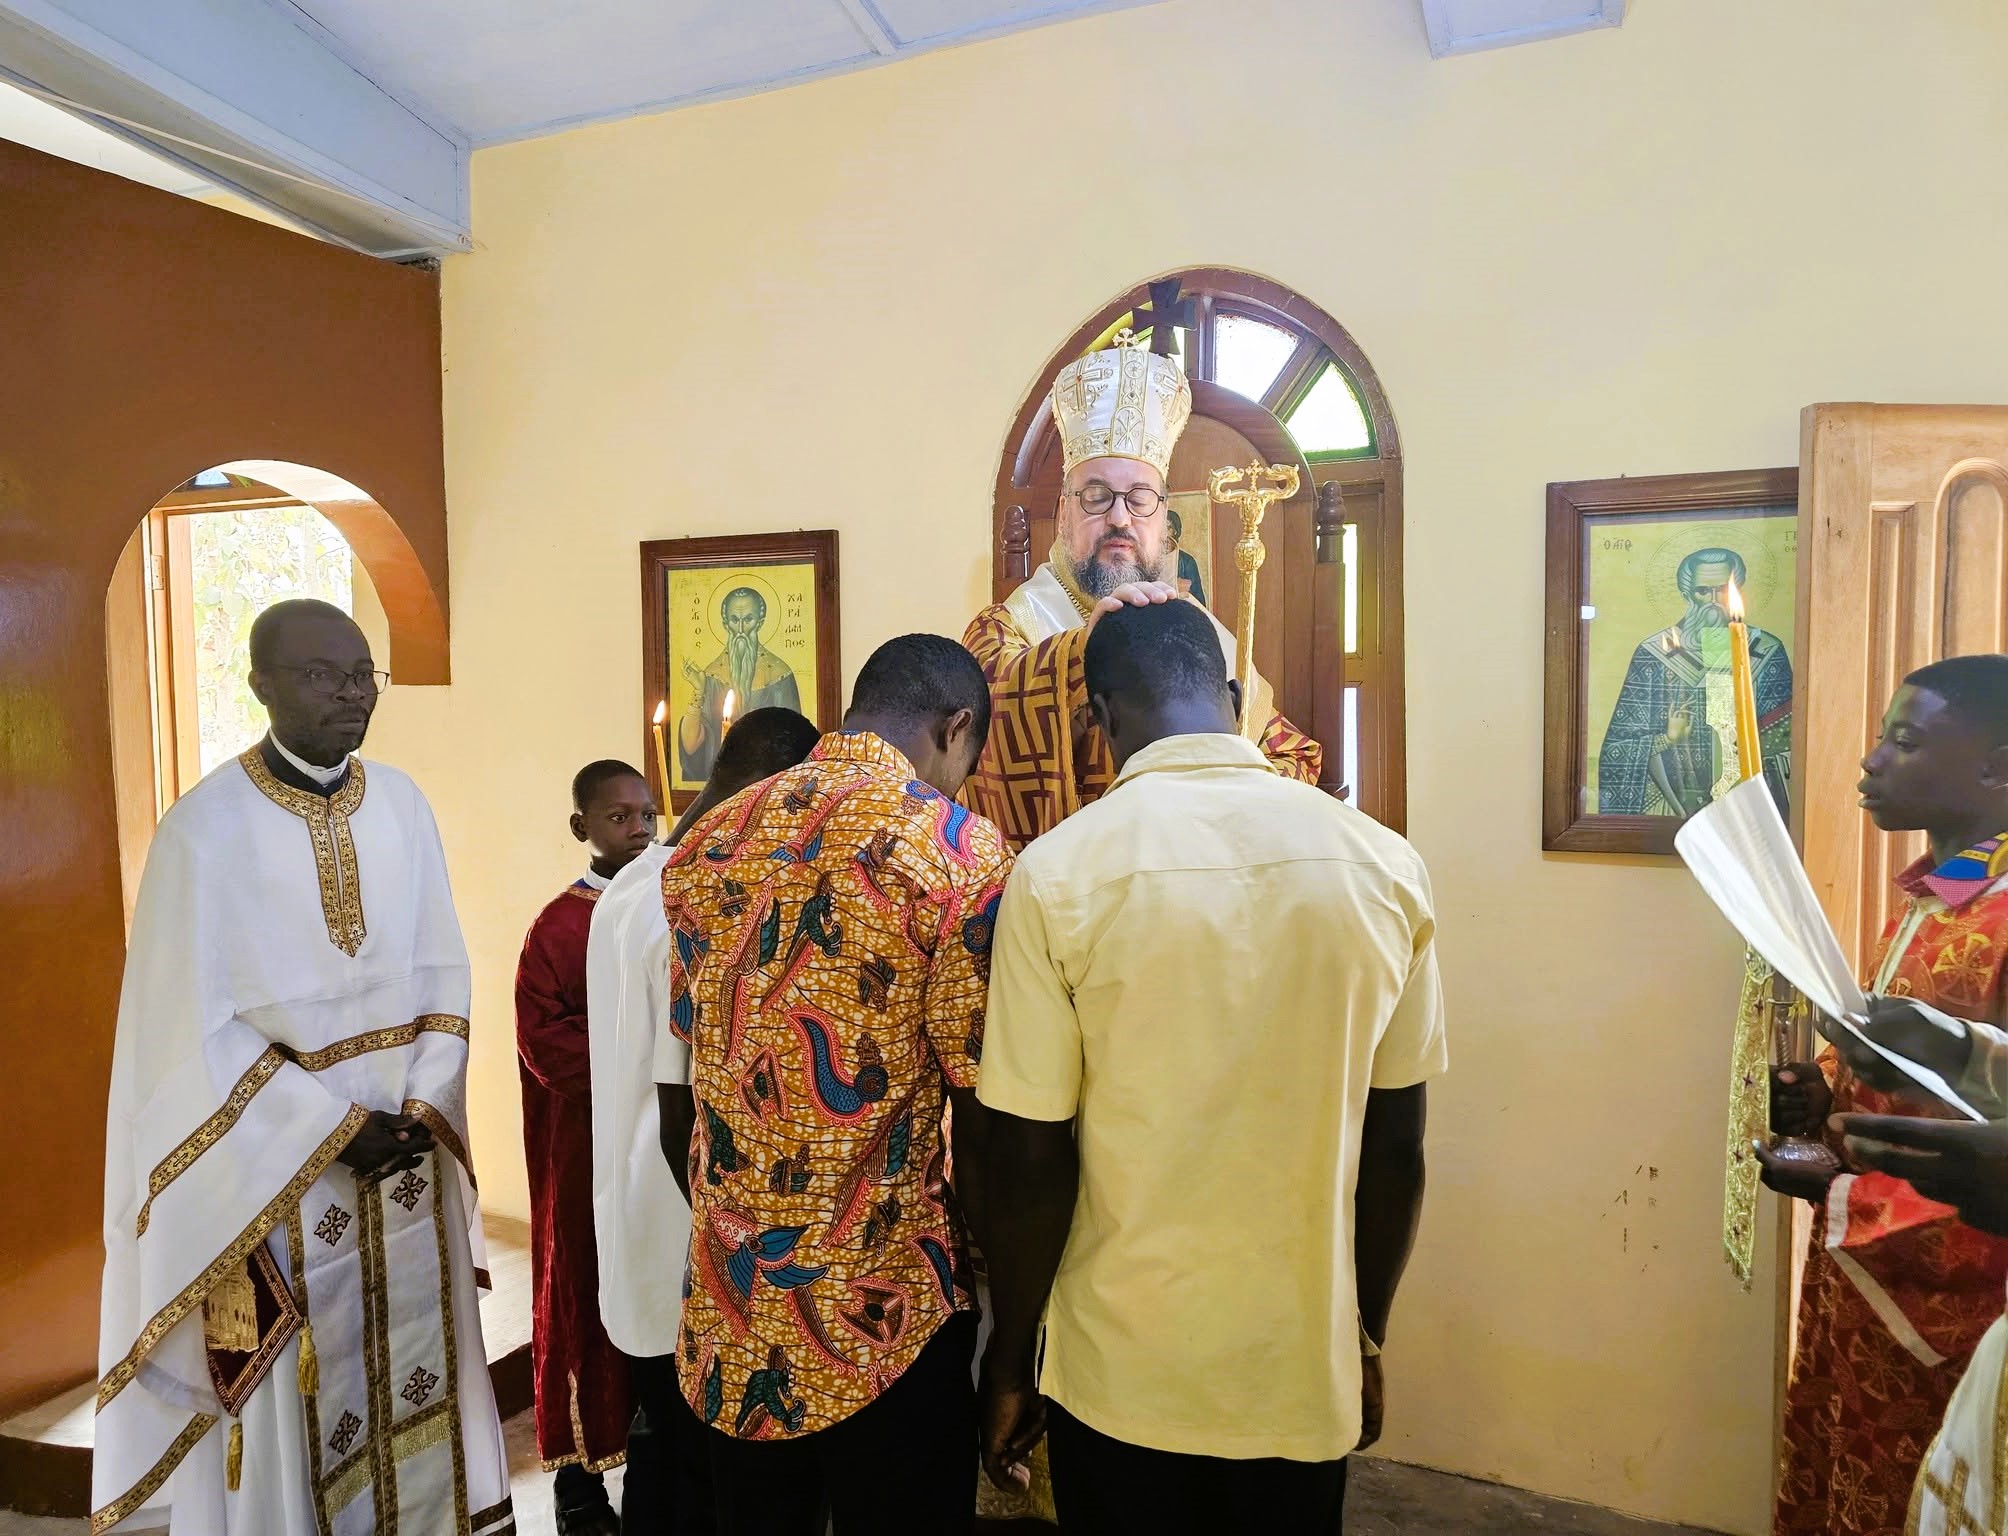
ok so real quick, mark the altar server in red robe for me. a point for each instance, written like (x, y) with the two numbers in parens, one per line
(584, 1399)
(1898, 1289)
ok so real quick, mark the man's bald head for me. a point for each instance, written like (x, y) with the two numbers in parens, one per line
(270, 625)
(312, 670)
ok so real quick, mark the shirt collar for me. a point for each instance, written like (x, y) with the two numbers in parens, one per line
(325, 777)
(593, 880)
(1178, 754)
(1961, 878)
(863, 747)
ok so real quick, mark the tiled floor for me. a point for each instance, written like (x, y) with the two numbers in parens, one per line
(1386, 1500)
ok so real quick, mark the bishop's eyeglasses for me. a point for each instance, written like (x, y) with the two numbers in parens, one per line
(1099, 500)
(330, 680)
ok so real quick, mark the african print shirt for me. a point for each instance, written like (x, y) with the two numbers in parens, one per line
(829, 958)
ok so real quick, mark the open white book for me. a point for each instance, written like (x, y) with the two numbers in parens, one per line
(1739, 850)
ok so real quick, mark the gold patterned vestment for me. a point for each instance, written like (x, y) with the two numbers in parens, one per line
(1044, 759)
(287, 1348)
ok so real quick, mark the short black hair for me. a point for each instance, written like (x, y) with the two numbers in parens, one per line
(917, 679)
(1155, 655)
(1975, 686)
(594, 777)
(762, 743)
(265, 628)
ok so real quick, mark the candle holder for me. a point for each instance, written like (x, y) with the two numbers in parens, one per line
(1786, 1009)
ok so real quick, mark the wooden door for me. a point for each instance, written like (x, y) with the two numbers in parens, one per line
(1903, 560)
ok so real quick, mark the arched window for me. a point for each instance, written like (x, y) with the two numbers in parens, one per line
(1272, 375)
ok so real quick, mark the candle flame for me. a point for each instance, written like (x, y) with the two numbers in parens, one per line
(661, 711)
(726, 712)
(1732, 601)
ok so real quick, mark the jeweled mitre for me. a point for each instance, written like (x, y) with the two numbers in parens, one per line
(1125, 403)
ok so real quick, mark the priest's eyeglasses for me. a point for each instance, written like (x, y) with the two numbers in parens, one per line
(331, 680)
(1098, 500)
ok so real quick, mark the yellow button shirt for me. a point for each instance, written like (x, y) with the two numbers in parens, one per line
(1208, 968)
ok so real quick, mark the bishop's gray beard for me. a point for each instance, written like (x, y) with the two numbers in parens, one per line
(743, 651)
(1098, 577)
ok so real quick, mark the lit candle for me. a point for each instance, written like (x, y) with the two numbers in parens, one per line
(1749, 751)
(661, 757)
(725, 714)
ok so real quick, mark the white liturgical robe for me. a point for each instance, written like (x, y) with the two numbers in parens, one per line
(640, 1218)
(287, 1349)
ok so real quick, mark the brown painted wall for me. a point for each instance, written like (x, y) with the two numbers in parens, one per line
(143, 337)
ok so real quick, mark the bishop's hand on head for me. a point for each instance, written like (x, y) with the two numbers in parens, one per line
(1132, 594)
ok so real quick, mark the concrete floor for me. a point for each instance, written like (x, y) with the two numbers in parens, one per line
(1384, 1500)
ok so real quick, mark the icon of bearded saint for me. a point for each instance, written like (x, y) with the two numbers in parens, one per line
(1662, 755)
(745, 676)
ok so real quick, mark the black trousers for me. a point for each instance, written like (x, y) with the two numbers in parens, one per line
(1106, 1485)
(905, 1466)
(668, 1486)
(574, 1490)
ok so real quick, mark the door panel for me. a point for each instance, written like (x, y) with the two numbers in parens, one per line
(1903, 559)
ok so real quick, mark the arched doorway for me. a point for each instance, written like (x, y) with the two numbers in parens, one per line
(207, 558)
(1273, 376)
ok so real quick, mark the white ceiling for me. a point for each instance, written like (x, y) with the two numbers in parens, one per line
(495, 70)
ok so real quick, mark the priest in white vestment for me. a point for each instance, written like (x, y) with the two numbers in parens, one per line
(290, 1341)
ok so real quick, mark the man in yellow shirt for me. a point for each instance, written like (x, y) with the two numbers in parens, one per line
(1213, 1006)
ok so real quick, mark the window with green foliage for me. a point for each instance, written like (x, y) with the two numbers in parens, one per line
(240, 563)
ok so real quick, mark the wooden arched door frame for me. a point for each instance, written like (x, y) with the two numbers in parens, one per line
(1364, 489)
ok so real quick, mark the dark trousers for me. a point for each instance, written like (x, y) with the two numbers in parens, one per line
(668, 1486)
(904, 1466)
(1106, 1485)
(574, 1490)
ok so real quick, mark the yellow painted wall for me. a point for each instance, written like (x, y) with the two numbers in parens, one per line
(1637, 251)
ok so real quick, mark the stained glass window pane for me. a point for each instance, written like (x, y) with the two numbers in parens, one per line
(1329, 419)
(1249, 354)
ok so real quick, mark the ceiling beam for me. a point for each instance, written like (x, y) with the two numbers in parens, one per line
(237, 92)
(1470, 26)
(871, 27)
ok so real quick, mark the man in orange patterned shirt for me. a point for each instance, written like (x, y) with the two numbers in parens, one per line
(1898, 1290)
(830, 957)
(1119, 412)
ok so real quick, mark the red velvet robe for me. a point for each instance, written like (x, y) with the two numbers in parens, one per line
(1898, 1290)
(584, 1399)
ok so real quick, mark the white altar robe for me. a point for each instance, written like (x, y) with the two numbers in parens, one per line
(641, 1221)
(295, 962)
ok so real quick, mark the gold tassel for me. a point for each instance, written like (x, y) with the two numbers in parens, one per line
(230, 1312)
(310, 1363)
(233, 1464)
